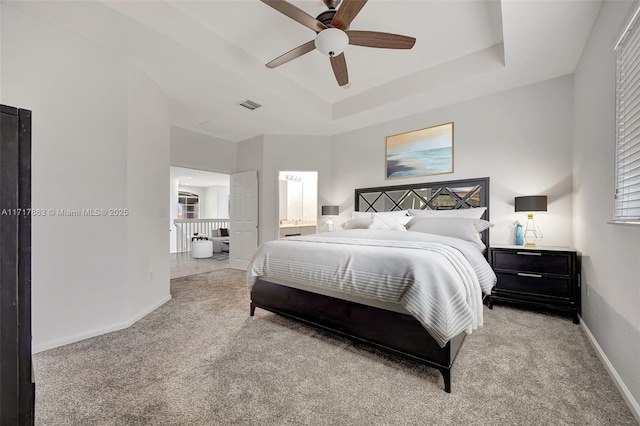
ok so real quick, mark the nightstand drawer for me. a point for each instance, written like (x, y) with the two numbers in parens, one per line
(534, 284)
(532, 261)
(543, 278)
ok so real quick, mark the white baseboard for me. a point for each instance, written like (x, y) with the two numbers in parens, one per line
(99, 331)
(624, 391)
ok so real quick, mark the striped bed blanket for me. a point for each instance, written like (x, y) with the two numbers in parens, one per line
(439, 280)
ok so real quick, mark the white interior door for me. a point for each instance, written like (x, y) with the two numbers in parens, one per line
(243, 214)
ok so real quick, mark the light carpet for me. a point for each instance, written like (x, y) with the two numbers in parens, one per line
(201, 360)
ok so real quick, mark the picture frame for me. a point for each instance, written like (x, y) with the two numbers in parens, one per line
(422, 152)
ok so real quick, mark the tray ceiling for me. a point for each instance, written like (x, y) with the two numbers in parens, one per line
(209, 55)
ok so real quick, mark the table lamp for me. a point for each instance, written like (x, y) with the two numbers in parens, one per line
(530, 204)
(330, 211)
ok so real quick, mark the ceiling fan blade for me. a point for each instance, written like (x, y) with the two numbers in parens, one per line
(296, 14)
(339, 65)
(381, 40)
(346, 12)
(292, 54)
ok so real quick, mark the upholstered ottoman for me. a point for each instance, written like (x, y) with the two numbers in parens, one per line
(201, 249)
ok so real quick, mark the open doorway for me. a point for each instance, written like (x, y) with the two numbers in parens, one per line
(297, 203)
(199, 212)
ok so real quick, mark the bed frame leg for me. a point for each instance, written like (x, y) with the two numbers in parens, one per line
(252, 309)
(446, 375)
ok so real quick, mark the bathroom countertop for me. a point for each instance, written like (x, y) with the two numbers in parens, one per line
(296, 225)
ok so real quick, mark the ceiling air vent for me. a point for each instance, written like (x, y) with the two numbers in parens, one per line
(249, 104)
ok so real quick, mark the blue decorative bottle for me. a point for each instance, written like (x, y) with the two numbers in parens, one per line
(519, 240)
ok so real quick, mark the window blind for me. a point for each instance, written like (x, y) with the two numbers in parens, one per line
(627, 150)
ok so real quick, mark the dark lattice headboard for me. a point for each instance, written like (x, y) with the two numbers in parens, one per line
(447, 195)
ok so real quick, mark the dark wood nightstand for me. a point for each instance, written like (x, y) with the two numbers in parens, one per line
(541, 277)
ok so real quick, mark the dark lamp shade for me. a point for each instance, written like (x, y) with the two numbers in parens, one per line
(533, 203)
(330, 211)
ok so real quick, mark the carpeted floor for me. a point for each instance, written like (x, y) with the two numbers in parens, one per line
(201, 360)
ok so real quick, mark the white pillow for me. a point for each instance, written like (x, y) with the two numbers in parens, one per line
(457, 227)
(359, 223)
(472, 213)
(360, 215)
(400, 214)
(386, 222)
(393, 213)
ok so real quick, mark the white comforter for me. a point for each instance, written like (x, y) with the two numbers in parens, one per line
(439, 280)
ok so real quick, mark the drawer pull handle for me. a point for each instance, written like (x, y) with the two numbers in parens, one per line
(523, 274)
(525, 253)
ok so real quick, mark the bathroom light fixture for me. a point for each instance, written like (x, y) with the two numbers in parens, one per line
(330, 211)
(530, 204)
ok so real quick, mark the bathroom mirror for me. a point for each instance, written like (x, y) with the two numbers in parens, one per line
(298, 193)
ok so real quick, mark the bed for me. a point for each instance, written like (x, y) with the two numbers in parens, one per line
(413, 294)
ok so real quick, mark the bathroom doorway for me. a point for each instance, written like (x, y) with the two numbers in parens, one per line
(297, 203)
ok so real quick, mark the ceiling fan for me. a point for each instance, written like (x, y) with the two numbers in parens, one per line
(333, 34)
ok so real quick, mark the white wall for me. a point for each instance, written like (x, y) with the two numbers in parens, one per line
(211, 202)
(520, 138)
(309, 196)
(81, 94)
(78, 161)
(197, 151)
(173, 214)
(147, 233)
(223, 202)
(610, 253)
(217, 200)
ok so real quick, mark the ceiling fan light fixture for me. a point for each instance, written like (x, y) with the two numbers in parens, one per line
(331, 42)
